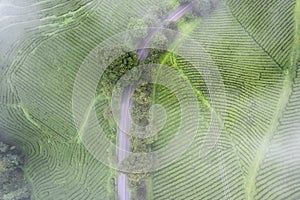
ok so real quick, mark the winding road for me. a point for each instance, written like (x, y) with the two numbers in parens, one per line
(127, 102)
(172, 17)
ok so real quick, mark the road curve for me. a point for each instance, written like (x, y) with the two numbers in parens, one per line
(127, 102)
(172, 17)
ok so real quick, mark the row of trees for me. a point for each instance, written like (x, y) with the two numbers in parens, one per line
(142, 97)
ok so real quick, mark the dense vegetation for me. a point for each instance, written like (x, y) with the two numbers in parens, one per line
(12, 182)
(142, 99)
(201, 8)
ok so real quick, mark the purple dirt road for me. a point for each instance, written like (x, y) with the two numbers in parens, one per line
(124, 141)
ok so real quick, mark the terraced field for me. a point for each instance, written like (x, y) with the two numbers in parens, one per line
(255, 47)
(258, 68)
(36, 92)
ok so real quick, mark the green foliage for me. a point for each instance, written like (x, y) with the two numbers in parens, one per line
(160, 41)
(161, 9)
(138, 167)
(12, 183)
(139, 191)
(142, 102)
(201, 8)
(136, 23)
(116, 68)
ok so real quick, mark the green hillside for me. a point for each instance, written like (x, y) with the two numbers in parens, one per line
(254, 55)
